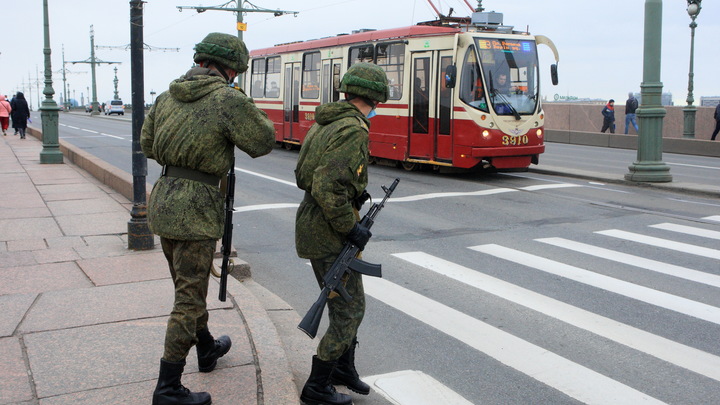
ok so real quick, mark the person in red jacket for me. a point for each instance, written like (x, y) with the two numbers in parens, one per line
(5, 110)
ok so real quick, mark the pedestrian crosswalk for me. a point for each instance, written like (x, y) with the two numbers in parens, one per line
(578, 381)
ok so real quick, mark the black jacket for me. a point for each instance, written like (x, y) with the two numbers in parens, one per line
(631, 105)
(20, 112)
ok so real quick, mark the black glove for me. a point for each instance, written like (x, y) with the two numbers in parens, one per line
(360, 200)
(359, 235)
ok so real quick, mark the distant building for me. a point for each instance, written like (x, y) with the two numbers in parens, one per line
(709, 101)
(665, 99)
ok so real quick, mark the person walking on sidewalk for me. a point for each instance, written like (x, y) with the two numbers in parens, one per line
(717, 122)
(631, 105)
(192, 130)
(5, 110)
(20, 114)
(332, 169)
(608, 113)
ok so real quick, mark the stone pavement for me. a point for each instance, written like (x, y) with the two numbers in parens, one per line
(82, 318)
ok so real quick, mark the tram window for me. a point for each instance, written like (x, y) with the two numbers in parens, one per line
(362, 53)
(471, 85)
(421, 93)
(391, 57)
(311, 75)
(272, 78)
(257, 89)
(445, 100)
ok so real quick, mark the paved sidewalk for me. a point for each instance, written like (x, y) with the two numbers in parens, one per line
(82, 318)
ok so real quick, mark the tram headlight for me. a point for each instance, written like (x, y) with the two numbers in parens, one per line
(486, 133)
(539, 133)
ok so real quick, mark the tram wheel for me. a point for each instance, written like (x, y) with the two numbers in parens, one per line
(410, 166)
(288, 146)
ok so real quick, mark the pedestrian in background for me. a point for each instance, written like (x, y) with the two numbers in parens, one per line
(717, 122)
(5, 110)
(20, 114)
(608, 113)
(332, 169)
(192, 130)
(631, 105)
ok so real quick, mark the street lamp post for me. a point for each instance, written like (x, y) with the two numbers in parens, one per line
(152, 97)
(689, 111)
(139, 235)
(649, 166)
(49, 108)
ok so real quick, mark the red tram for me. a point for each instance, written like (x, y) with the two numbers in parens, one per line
(462, 93)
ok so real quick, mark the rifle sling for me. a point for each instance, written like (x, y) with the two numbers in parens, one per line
(190, 174)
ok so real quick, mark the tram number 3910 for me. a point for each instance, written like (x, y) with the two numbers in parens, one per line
(508, 140)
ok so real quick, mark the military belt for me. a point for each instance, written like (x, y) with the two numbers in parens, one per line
(190, 174)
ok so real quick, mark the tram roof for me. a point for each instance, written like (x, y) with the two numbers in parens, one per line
(367, 36)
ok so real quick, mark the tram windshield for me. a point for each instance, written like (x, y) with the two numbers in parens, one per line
(510, 72)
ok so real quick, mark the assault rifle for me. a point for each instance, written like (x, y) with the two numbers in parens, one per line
(345, 262)
(227, 233)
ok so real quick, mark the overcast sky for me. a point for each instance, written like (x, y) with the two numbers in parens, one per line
(600, 42)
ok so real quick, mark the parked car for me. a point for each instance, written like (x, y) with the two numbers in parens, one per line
(114, 107)
(88, 107)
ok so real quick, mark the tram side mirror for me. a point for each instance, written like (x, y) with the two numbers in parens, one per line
(450, 75)
(554, 74)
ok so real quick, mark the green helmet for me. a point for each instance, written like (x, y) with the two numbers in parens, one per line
(224, 49)
(366, 80)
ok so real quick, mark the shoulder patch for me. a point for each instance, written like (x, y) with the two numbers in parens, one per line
(363, 124)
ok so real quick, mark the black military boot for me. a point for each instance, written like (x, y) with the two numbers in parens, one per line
(209, 350)
(346, 374)
(318, 390)
(169, 390)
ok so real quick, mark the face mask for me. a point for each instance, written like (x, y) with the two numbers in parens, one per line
(371, 114)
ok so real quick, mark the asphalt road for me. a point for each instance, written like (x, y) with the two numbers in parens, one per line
(505, 288)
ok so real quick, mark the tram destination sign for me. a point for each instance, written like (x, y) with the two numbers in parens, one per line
(505, 45)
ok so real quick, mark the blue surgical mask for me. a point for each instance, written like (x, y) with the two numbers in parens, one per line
(371, 114)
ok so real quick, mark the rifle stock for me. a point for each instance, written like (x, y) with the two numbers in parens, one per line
(347, 261)
(226, 248)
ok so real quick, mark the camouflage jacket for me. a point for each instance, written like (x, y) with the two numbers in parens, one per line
(332, 169)
(196, 124)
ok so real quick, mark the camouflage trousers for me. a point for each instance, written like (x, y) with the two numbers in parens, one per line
(345, 317)
(189, 262)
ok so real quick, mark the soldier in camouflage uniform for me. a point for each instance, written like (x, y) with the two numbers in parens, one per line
(192, 130)
(332, 169)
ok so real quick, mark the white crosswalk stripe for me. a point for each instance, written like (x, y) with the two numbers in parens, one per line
(663, 243)
(689, 230)
(558, 372)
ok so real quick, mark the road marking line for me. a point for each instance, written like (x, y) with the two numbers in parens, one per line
(413, 387)
(663, 243)
(72, 127)
(634, 291)
(698, 166)
(547, 367)
(713, 218)
(428, 196)
(638, 339)
(689, 230)
(260, 207)
(637, 261)
(112, 136)
(89, 130)
(264, 176)
(549, 186)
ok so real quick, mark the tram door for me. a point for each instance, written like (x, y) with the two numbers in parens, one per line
(430, 107)
(291, 101)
